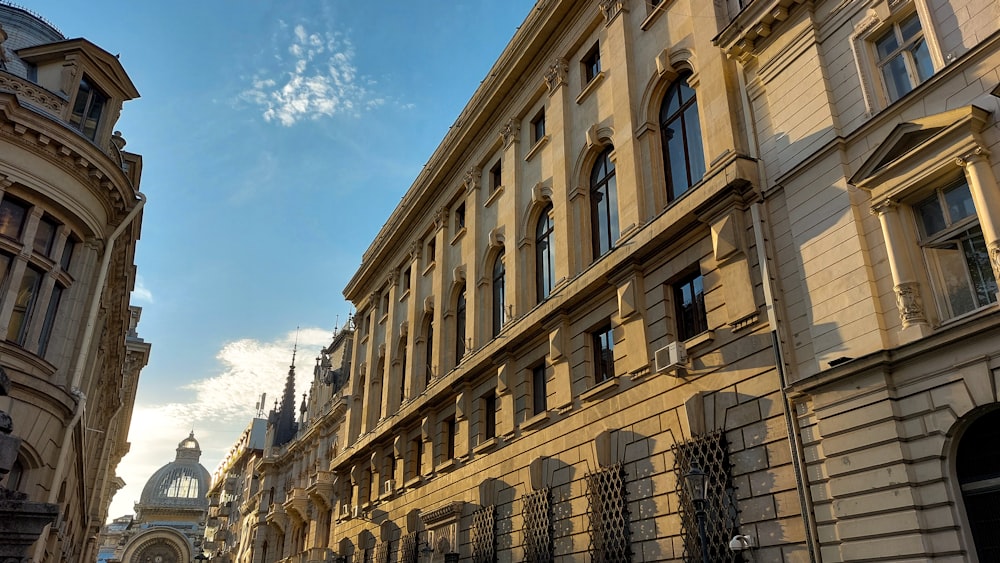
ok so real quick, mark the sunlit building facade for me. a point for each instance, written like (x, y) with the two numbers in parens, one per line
(752, 241)
(70, 215)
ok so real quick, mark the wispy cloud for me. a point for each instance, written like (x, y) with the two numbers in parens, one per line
(141, 293)
(220, 406)
(316, 77)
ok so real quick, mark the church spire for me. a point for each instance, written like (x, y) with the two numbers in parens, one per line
(285, 430)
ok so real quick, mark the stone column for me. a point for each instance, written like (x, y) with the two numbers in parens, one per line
(986, 197)
(908, 301)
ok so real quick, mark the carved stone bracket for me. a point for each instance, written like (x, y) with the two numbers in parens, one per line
(509, 132)
(472, 178)
(911, 309)
(611, 8)
(556, 74)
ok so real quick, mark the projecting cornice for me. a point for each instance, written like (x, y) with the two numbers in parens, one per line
(755, 23)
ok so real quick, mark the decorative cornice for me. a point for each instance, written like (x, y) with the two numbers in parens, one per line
(32, 93)
(451, 510)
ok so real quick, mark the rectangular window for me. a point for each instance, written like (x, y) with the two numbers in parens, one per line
(538, 126)
(460, 217)
(495, 177)
(417, 456)
(903, 58)
(591, 63)
(24, 305)
(12, 214)
(603, 341)
(489, 406)
(450, 431)
(689, 306)
(67, 254)
(539, 390)
(50, 317)
(406, 278)
(955, 250)
(431, 250)
(45, 234)
(87, 109)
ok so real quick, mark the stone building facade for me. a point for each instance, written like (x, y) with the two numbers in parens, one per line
(234, 486)
(70, 215)
(759, 238)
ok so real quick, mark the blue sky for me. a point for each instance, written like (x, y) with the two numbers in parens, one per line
(276, 138)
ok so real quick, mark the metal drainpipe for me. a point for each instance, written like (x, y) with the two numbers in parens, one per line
(791, 423)
(81, 360)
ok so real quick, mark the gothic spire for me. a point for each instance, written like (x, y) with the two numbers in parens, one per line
(285, 430)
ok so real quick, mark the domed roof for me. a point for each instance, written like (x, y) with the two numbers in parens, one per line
(182, 483)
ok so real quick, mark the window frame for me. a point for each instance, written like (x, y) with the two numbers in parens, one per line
(461, 326)
(590, 63)
(687, 116)
(538, 126)
(539, 389)
(699, 320)
(88, 98)
(903, 51)
(498, 289)
(604, 221)
(602, 341)
(544, 255)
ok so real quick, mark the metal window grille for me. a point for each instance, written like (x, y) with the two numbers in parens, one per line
(710, 453)
(408, 548)
(382, 552)
(484, 538)
(607, 500)
(368, 555)
(537, 509)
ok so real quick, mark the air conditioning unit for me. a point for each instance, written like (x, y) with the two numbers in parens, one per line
(355, 512)
(345, 510)
(673, 356)
(390, 486)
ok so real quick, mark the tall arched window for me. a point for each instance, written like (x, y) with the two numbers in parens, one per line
(545, 259)
(402, 370)
(680, 130)
(603, 203)
(460, 327)
(499, 299)
(977, 465)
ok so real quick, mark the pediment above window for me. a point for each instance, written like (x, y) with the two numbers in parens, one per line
(914, 151)
(84, 57)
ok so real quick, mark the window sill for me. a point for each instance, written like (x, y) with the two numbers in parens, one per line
(383, 318)
(536, 148)
(493, 196)
(458, 236)
(601, 390)
(590, 87)
(699, 340)
(413, 481)
(486, 446)
(654, 15)
(447, 466)
(404, 295)
(535, 421)
(428, 269)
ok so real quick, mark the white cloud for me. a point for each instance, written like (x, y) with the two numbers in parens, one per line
(220, 406)
(317, 78)
(141, 293)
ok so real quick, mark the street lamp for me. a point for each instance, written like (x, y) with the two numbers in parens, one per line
(696, 484)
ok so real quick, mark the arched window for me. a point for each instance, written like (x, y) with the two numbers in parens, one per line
(545, 259)
(977, 465)
(402, 370)
(680, 130)
(603, 203)
(499, 299)
(460, 327)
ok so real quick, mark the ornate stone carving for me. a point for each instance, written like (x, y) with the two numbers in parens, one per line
(32, 93)
(555, 76)
(994, 249)
(911, 309)
(611, 8)
(509, 132)
(472, 177)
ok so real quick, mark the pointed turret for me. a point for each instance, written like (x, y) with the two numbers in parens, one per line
(285, 430)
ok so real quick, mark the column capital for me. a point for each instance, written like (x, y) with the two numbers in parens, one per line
(611, 8)
(509, 132)
(976, 155)
(883, 207)
(556, 74)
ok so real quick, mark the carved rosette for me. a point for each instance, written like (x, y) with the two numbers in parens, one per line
(509, 132)
(555, 76)
(911, 309)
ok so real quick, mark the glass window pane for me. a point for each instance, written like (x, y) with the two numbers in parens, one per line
(910, 26)
(12, 215)
(696, 154)
(959, 201)
(678, 163)
(977, 258)
(44, 235)
(931, 216)
(897, 82)
(17, 328)
(886, 44)
(951, 275)
(922, 60)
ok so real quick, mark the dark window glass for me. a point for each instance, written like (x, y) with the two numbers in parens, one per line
(689, 306)
(12, 214)
(604, 354)
(67, 255)
(45, 234)
(496, 180)
(538, 126)
(903, 57)
(460, 327)
(429, 349)
(403, 364)
(406, 278)
(431, 251)
(603, 204)
(539, 392)
(545, 260)
(87, 108)
(490, 415)
(50, 317)
(680, 130)
(449, 438)
(499, 274)
(592, 63)
(24, 305)
(460, 217)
